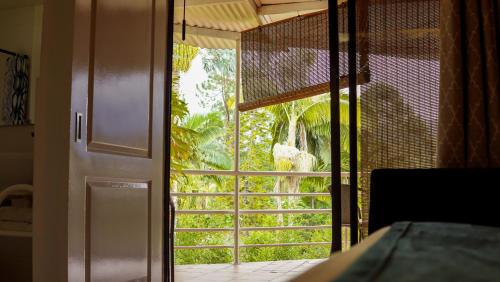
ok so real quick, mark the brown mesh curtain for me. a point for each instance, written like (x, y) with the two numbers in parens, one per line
(289, 60)
(271, 56)
(397, 74)
(399, 105)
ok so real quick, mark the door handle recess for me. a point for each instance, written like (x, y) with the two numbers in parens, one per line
(78, 127)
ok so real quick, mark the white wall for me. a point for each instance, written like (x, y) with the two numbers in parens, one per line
(21, 32)
(52, 140)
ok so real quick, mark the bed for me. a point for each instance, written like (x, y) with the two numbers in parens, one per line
(425, 225)
(417, 251)
(15, 233)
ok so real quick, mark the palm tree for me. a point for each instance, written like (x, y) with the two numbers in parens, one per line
(182, 138)
(301, 139)
(210, 151)
(209, 133)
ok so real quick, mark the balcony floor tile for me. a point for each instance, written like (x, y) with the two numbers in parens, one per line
(275, 271)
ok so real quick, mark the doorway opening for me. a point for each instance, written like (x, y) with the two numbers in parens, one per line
(250, 185)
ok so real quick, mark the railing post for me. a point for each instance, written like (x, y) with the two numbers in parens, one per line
(236, 229)
(236, 259)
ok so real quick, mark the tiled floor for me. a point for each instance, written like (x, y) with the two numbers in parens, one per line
(256, 271)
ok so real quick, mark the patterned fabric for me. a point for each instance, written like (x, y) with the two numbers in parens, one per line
(15, 92)
(469, 119)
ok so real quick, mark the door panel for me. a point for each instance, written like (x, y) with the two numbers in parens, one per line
(121, 69)
(117, 227)
(116, 189)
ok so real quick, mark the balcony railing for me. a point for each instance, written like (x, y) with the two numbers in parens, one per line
(237, 211)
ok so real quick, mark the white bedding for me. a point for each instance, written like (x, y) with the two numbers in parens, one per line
(17, 214)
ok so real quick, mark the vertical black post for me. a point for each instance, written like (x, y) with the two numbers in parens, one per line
(353, 112)
(167, 104)
(333, 33)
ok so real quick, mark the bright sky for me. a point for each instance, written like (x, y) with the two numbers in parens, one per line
(188, 82)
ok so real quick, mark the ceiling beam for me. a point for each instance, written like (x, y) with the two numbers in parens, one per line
(253, 6)
(191, 3)
(292, 7)
(208, 32)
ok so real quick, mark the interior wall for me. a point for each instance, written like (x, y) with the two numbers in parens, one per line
(21, 32)
(52, 139)
(9, 4)
(16, 155)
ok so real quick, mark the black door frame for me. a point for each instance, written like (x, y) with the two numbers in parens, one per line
(353, 115)
(333, 38)
(168, 271)
(333, 32)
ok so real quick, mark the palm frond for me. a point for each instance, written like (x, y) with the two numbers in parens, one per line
(215, 157)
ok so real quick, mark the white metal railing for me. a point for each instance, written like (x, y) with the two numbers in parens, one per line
(236, 211)
(258, 173)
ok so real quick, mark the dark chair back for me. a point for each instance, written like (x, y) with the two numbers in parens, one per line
(443, 195)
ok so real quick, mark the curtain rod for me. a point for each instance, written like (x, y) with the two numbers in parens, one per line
(8, 52)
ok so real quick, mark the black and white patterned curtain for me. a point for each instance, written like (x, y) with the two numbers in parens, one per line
(14, 95)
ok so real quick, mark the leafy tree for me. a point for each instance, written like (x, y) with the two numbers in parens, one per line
(181, 143)
(219, 89)
(210, 152)
(194, 143)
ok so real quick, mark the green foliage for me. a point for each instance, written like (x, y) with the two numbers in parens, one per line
(198, 184)
(183, 56)
(209, 134)
(206, 141)
(217, 92)
(183, 140)
(256, 140)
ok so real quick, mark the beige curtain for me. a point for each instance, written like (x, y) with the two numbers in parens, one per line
(469, 110)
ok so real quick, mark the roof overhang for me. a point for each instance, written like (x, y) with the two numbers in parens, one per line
(218, 23)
